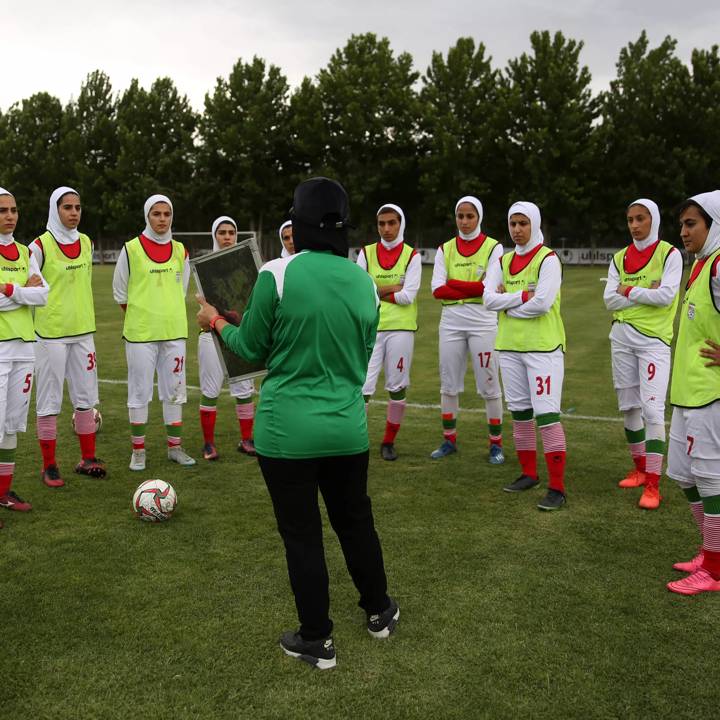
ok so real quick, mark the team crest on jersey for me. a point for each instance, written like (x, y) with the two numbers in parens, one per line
(691, 311)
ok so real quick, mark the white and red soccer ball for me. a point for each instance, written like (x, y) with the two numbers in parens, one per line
(154, 501)
(98, 421)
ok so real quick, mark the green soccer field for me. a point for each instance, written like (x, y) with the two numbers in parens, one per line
(505, 611)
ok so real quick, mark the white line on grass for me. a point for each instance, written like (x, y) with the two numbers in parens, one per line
(424, 406)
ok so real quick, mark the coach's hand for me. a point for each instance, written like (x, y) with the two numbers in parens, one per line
(206, 313)
(711, 353)
(34, 281)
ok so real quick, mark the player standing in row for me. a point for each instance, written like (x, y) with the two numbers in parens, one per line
(286, 238)
(466, 325)
(642, 291)
(150, 283)
(224, 235)
(21, 285)
(396, 269)
(694, 448)
(65, 330)
(524, 287)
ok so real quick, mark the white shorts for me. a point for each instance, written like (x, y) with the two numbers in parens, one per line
(167, 358)
(640, 377)
(533, 380)
(212, 376)
(694, 448)
(16, 380)
(392, 353)
(56, 362)
(454, 348)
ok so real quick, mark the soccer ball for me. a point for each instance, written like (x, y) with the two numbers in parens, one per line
(154, 501)
(98, 421)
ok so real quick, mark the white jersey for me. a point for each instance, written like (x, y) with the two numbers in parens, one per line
(465, 316)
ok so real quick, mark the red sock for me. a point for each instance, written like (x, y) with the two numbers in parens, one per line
(5, 483)
(556, 470)
(47, 447)
(87, 446)
(528, 462)
(711, 562)
(639, 461)
(652, 480)
(245, 413)
(391, 430)
(207, 422)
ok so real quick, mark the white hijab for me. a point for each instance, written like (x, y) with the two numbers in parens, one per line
(478, 206)
(654, 211)
(284, 252)
(532, 212)
(148, 232)
(218, 222)
(6, 239)
(401, 235)
(710, 203)
(63, 235)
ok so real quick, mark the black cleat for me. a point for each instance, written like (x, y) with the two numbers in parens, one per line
(318, 653)
(388, 452)
(524, 482)
(554, 500)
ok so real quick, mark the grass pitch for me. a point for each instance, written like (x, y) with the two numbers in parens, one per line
(505, 611)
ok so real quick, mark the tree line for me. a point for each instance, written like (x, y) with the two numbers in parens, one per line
(531, 130)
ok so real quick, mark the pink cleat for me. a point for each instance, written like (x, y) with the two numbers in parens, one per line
(700, 581)
(691, 565)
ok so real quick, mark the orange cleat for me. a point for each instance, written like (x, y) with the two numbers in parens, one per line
(691, 565)
(634, 478)
(650, 499)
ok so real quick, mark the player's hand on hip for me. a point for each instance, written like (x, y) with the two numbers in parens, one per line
(712, 353)
(206, 313)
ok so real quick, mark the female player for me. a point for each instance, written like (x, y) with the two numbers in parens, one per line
(524, 287)
(150, 283)
(396, 269)
(694, 449)
(642, 291)
(21, 286)
(466, 325)
(224, 234)
(65, 328)
(286, 238)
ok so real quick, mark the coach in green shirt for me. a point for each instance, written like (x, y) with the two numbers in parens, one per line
(312, 318)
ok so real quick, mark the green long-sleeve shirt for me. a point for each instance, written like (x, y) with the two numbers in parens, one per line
(312, 318)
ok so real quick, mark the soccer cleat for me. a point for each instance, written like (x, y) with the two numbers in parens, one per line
(700, 581)
(383, 624)
(388, 452)
(524, 482)
(447, 448)
(318, 653)
(497, 457)
(137, 460)
(51, 477)
(554, 500)
(650, 499)
(209, 452)
(12, 501)
(691, 565)
(247, 447)
(635, 478)
(93, 467)
(179, 456)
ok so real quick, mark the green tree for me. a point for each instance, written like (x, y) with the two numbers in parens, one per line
(645, 118)
(91, 147)
(371, 115)
(156, 154)
(244, 153)
(459, 123)
(33, 163)
(549, 112)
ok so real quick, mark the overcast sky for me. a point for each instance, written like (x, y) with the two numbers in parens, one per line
(52, 46)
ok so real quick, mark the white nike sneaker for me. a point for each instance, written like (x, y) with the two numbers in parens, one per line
(137, 460)
(178, 455)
